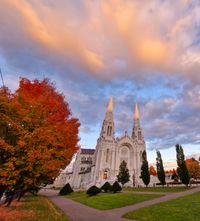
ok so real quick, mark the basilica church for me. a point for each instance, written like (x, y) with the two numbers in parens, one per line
(96, 166)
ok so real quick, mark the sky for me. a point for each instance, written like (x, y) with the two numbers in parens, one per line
(136, 51)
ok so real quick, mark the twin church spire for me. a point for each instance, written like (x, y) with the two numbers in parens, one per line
(136, 112)
(110, 105)
(108, 130)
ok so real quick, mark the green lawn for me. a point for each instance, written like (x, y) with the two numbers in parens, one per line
(106, 201)
(185, 208)
(39, 208)
(158, 189)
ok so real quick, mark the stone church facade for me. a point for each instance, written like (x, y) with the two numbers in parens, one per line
(96, 166)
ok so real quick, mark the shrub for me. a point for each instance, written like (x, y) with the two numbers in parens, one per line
(93, 190)
(66, 190)
(106, 187)
(116, 187)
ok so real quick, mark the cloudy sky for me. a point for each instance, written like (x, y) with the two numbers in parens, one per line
(146, 51)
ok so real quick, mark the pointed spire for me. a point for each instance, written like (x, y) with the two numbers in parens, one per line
(136, 113)
(110, 105)
(108, 129)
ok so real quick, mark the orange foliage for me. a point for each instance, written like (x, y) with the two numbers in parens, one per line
(171, 171)
(189, 161)
(152, 171)
(45, 135)
(193, 168)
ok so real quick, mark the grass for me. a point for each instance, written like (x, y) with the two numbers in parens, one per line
(158, 189)
(185, 208)
(40, 208)
(106, 201)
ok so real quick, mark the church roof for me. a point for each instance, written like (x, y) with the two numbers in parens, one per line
(87, 151)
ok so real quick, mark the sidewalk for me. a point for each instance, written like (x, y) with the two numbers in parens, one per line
(168, 196)
(79, 212)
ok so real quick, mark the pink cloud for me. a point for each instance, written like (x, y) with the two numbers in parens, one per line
(109, 38)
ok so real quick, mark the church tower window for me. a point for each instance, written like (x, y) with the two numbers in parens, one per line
(140, 156)
(139, 135)
(83, 159)
(109, 131)
(89, 159)
(107, 155)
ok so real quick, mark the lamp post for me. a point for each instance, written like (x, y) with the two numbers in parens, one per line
(2, 78)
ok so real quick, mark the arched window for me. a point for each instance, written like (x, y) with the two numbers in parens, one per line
(124, 154)
(82, 168)
(107, 155)
(139, 135)
(89, 159)
(108, 130)
(105, 175)
(83, 159)
(140, 156)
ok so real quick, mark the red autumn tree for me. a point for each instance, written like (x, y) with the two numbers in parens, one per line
(10, 132)
(193, 168)
(152, 171)
(46, 135)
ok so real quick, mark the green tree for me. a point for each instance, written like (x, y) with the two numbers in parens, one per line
(145, 174)
(123, 176)
(182, 170)
(160, 168)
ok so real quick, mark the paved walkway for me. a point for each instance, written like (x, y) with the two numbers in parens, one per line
(79, 212)
(168, 196)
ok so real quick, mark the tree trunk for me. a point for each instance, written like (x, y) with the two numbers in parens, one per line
(2, 189)
(21, 194)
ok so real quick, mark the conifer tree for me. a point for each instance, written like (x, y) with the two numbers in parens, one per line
(123, 176)
(160, 169)
(145, 174)
(182, 168)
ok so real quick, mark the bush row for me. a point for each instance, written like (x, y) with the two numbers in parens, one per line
(107, 187)
(93, 190)
(66, 190)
